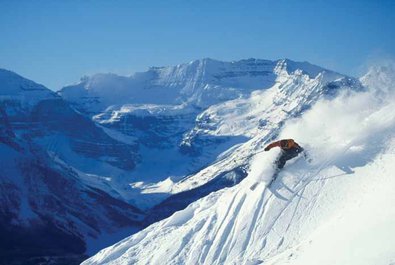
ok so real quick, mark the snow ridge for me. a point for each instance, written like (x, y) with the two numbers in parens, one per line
(201, 83)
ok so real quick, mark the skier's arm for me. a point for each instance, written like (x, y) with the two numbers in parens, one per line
(270, 146)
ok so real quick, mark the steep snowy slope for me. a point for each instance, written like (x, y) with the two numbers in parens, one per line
(335, 210)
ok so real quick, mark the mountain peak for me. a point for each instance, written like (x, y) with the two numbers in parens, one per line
(200, 83)
(16, 87)
(310, 69)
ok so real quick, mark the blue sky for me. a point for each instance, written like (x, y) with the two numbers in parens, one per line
(57, 42)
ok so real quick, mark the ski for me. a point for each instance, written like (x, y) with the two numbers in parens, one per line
(253, 186)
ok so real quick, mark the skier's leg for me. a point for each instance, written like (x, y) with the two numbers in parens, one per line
(281, 162)
(287, 155)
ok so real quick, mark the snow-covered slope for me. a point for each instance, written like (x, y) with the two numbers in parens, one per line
(337, 209)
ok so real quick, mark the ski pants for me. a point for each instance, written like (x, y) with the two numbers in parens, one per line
(287, 155)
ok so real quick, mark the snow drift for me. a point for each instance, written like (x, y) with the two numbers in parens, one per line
(338, 209)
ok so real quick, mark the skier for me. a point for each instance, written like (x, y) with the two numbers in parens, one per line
(289, 150)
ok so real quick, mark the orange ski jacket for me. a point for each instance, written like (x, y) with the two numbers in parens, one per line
(284, 144)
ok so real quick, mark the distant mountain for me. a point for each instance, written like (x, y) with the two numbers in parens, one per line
(26, 93)
(46, 207)
(200, 83)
